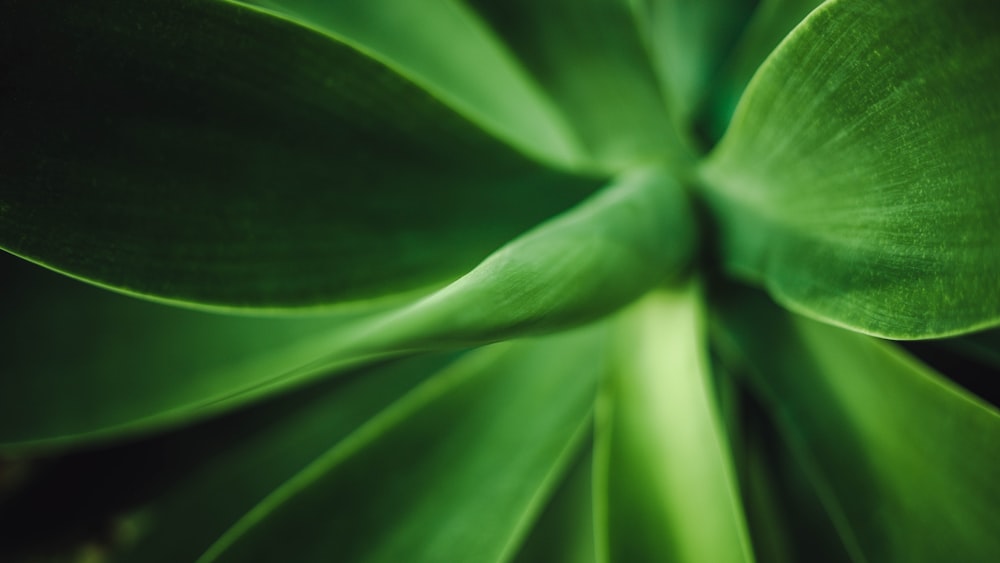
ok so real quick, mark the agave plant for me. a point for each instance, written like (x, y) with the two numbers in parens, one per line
(459, 281)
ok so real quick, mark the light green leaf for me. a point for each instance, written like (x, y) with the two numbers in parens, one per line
(205, 152)
(480, 78)
(456, 471)
(564, 532)
(590, 58)
(903, 459)
(859, 178)
(666, 487)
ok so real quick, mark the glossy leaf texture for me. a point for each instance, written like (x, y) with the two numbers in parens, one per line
(152, 365)
(590, 57)
(858, 179)
(205, 152)
(481, 79)
(458, 470)
(665, 485)
(171, 496)
(902, 459)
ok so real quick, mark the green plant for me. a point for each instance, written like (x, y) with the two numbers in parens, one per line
(299, 192)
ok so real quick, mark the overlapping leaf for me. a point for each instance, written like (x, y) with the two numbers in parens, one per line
(152, 365)
(902, 459)
(590, 57)
(457, 471)
(203, 151)
(451, 53)
(665, 487)
(858, 179)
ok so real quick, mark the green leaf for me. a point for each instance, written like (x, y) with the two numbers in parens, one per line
(903, 459)
(770, 22)
(480, 79)
(83, 364)
(858, 179)
(590, 57)
(215, 471)
(688, 42)
(151, 365)
(575, 268)
(215, 154)
(666, 487)
(564, 532)
(456, 471)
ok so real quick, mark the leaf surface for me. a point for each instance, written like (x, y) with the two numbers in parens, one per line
(903, 459)
(201, 151)
(688, 42)
(457, 471)
(589, 56)
(480, 79)
(859, 178)
(665, 482)
(151, 365)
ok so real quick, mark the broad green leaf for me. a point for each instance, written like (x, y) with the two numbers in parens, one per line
(151, 365)
(771, 21)
(688, 41)
(590, 57)
(456, 471)
(564, 532)
(82, 363)
(202, 151)
(479, 78)
(903, 459)
(665, 482)
(178, 492)
(572, 269)
(858, 179)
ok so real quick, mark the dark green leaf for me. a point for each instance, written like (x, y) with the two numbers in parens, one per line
(564, 532)
(903, 459)
(666, 488)
(456, 471)
(572, 269)
(771, 21)
(590, 57)
(859, 178)
(479, 78)
(81, 363)
(202, 151)
(688, 41)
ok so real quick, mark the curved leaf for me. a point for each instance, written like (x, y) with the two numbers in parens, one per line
(771, 21)
(859, 178)
(152, 365)
(177, 492)
(903, 459)
(205, 152)
(457, 471)
(688, 43)
(564, 532)
(590, 58)
(480, 78)
(663, 460)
